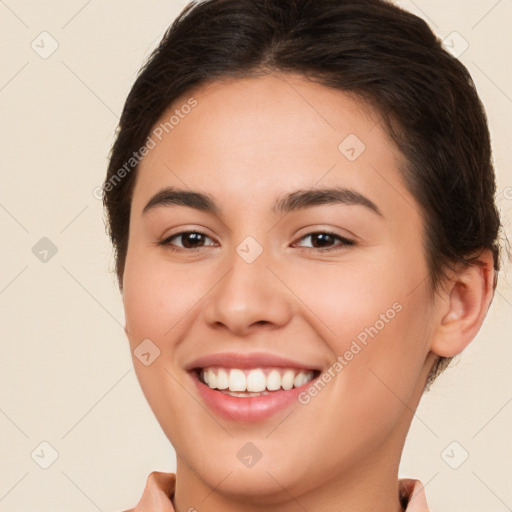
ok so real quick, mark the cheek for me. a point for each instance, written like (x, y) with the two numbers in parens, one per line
(157, 295)
(156, 298)
(347, 297)
(387, 352)
(374, 323)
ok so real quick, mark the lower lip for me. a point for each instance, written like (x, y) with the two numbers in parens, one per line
(250, 409)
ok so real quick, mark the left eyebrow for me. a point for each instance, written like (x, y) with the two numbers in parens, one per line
(297, 200)
(301, 199)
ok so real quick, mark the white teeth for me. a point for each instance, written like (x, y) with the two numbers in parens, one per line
(299, 380)
(245, 394)
(254, 382)
(273, 380)
(212, 379)
(287, 379)
(222, 379)
(237, 380)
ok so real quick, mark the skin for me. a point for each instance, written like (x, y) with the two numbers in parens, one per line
(246, 143)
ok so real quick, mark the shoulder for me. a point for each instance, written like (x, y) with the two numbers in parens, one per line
(157, 493)
(160, 487)
(412, 495)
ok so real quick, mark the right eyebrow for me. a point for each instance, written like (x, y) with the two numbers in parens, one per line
(171, 196)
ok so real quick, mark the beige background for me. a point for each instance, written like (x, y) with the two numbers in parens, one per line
(66, 375)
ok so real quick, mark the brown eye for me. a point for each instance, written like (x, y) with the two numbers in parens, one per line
(190, 240)
(323, 239)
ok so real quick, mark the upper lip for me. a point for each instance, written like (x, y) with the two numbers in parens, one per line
(247, 360)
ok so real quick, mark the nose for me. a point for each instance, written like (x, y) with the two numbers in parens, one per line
(249, 296)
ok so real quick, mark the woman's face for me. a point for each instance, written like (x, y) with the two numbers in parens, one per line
(259, 283)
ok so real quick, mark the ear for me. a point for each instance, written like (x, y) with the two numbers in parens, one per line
(467, 299)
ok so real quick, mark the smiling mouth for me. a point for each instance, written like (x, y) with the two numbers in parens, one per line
(246, 382)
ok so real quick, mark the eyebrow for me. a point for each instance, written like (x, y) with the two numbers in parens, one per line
(293, 201)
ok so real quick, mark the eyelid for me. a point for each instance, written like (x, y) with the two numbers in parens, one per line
(335, 231)
(345, 241)
(193, 228)
(166, 240)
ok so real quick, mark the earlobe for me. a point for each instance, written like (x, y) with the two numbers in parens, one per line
(468, 298)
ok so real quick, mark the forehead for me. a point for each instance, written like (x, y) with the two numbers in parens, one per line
(282, 113)
(264, 136)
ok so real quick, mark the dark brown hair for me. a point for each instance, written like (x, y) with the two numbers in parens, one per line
(384, 55)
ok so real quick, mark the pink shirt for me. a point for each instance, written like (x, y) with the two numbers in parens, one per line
(160, 487)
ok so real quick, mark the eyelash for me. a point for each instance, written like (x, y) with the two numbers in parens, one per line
(167, 241)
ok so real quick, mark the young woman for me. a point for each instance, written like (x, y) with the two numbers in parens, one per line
(301, 201)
